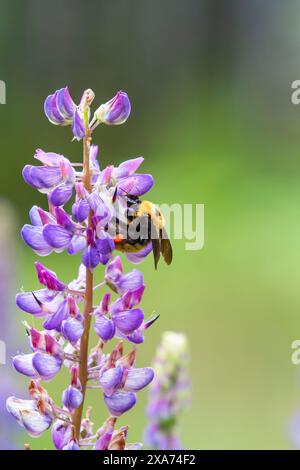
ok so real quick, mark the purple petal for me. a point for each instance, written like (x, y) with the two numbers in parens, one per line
(72, 398)
(51, 110)
(33, 237)
(103, 441)
(135, 185)
(34, 422)
(61, 194)
(27, 301)
(137, 337)
(15, 405)
(94, 149)
(56, 236)
(95, 202)
(44, 177)
(138, 257)
(65, 104)
(63, 219)
(111, 380)
(128, 320)
(104, 328)
(77, 244)
(55, 320)
(91, 257)
(130, 281)
(26, 175)
(138, 378)
(72, 329)
(47, 366)
(120, 402)
(128, 168)
(61, 434)
(27, 415)
(23, 365)
(78, 127)
(48, 158)
(116, 111)
(80, 210)
(105, 243)
(114, 270)
(48, 278)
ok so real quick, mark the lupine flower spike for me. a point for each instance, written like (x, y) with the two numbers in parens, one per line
(169, 392)
(102, 205)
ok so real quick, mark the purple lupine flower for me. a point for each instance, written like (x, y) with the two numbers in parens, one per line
(56, 170)
(61, 434)
(121, 319)
(34, 415)
(115, 112)
(125, 180)
(120, 282)
(68, 309)
(59, 107)
(120, 380)
(72, 396)
(169, 392)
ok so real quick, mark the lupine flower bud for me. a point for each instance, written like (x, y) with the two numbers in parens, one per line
(116, 111)
(61, 434)
(72, 396)
(59, 107)
(78, 127)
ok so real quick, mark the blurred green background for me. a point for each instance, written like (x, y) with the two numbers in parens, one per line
(210, 85)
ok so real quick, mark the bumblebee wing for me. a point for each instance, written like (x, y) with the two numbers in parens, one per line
(165, 246)
(156, 244)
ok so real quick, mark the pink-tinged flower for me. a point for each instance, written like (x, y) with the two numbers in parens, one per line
(48, 278)
(123, 319)
(104, 326)
(57, 170)
(120, 282)
(72, 396)
(59, 107)
(46, 359)
(105, 434)
(126, 180)
(38, 302)
(33, 415)
(115, 112)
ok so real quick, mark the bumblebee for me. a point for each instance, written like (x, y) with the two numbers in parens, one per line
(144, 225)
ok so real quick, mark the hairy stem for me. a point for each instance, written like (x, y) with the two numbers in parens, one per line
(88, 299)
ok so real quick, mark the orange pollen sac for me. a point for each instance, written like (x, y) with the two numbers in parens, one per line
(118, 238)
